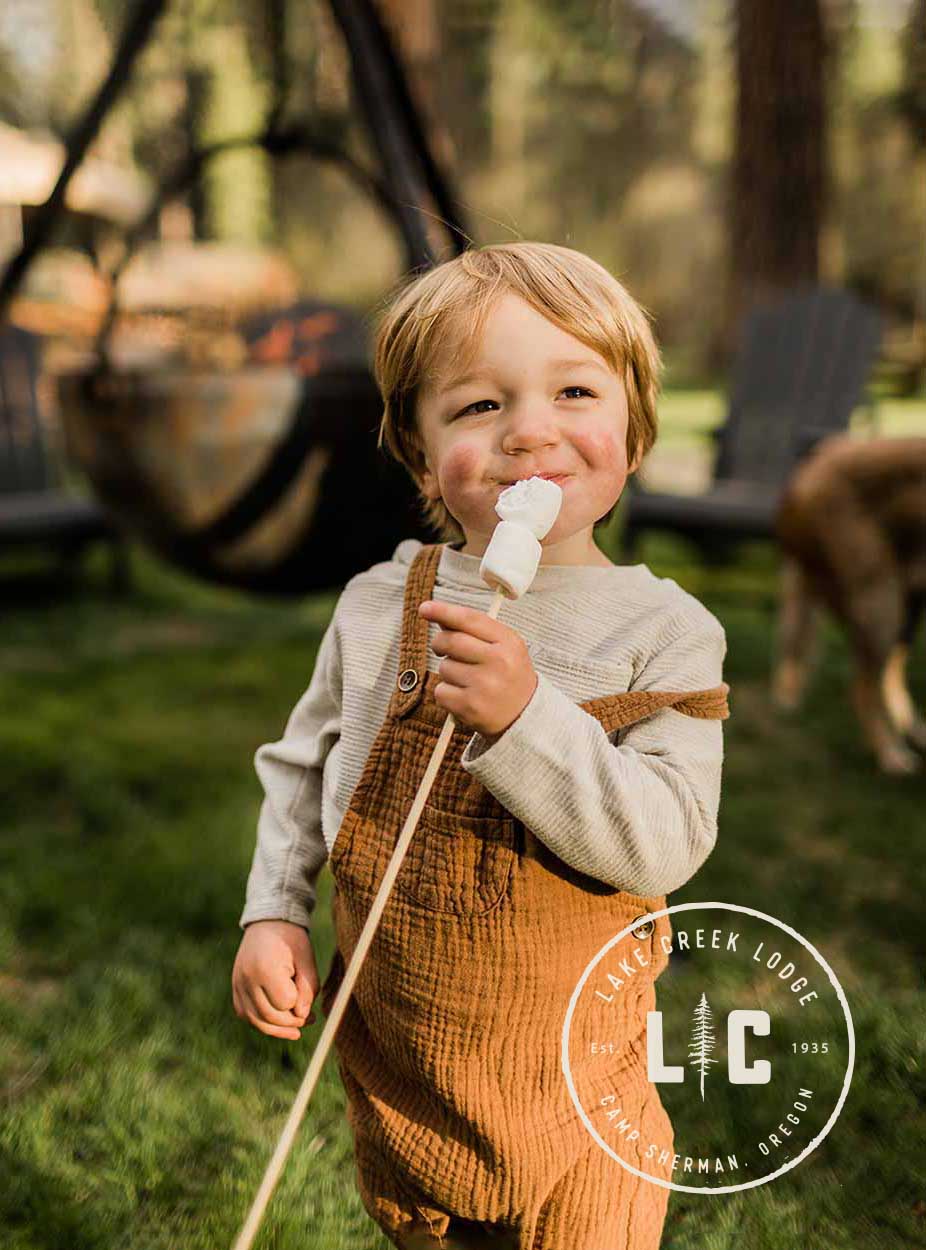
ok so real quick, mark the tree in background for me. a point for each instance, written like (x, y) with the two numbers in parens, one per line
(912, 102)
(778, 176)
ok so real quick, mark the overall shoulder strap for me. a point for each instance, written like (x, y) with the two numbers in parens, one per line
(413, 647)
(616, 711)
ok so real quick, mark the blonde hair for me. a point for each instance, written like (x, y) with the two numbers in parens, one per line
(450, 303)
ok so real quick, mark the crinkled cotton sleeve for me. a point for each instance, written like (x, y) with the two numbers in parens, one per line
(290, 850)
(639, 813)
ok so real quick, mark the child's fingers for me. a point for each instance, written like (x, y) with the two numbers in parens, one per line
(305, 991)
(274, 1030)
(456, 673)
(273, 1015)
(246, 1009)
(469, 620)
(460, 646)
(277, 984)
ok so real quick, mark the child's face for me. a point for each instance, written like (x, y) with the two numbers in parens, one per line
(524, 413)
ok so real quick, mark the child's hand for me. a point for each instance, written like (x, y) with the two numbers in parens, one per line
(274, 980)
(488, 678)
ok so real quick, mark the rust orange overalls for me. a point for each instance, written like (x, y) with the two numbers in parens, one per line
(449, 1050)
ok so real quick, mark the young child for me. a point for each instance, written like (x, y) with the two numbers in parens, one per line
(582, 782)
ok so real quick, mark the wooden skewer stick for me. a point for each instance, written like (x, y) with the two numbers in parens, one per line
(309, 1081)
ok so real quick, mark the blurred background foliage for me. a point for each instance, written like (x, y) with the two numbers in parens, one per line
(614, 126)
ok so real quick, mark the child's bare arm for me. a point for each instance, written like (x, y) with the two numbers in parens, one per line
(275, 980)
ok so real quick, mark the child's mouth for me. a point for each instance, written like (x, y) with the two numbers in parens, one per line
(559, 479)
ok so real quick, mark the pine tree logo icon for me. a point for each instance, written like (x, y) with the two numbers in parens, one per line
(702, 1040)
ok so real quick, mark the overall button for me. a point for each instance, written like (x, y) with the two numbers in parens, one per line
(645, 929)
(408, 680)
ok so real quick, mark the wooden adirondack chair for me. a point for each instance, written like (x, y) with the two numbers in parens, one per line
(800, 371)
(35, 509)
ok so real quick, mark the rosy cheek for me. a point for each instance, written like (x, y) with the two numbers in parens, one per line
(458, 467)
(604, 448)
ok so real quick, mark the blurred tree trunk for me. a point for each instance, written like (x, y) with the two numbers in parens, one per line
(778, 183)
(913, 106)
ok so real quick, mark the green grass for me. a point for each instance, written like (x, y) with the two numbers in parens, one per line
(137, 1111)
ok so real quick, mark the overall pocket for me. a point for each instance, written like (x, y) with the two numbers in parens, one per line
(458, 864)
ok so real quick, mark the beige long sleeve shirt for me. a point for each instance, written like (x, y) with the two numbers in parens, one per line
(636, 808)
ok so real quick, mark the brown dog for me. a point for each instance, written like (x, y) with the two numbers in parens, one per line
(852, 524)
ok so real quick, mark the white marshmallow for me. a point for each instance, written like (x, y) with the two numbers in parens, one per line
(528, 510)
(533, 503)
(511, 559)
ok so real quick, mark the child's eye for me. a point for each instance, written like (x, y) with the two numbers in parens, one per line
(477, 402)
